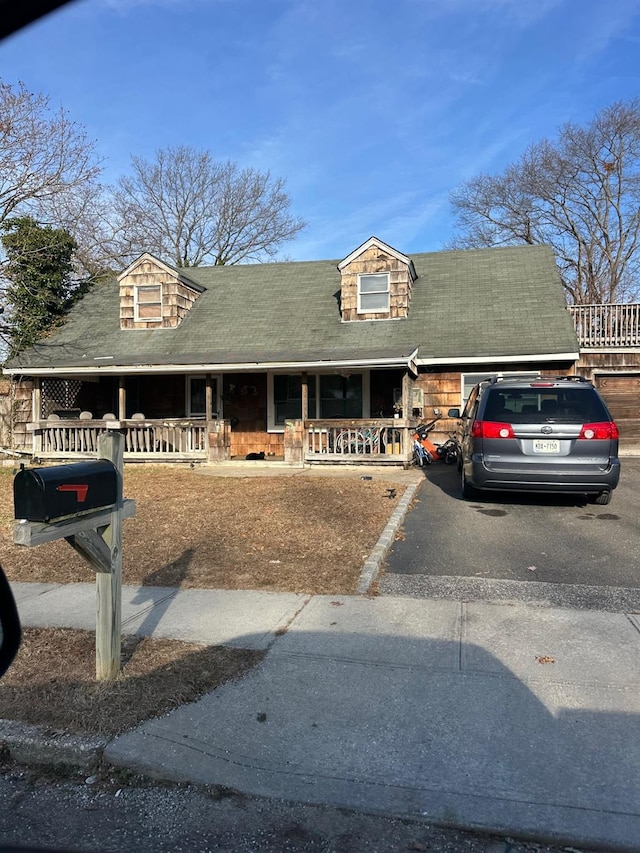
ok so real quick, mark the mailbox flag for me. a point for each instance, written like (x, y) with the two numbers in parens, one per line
(80, 490)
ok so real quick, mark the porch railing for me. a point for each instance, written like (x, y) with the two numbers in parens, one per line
(357, 440)
(607, 325)
(169, 438)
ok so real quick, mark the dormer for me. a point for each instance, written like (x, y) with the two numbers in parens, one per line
(376, 283)
(155, 295)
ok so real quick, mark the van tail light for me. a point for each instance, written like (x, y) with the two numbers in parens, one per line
(605, 430)
(491, 429)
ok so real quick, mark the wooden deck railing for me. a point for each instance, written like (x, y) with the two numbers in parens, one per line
(170, 438)
(357, 441)
(607, 325)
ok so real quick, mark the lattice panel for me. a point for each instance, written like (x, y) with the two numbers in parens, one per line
(59, 395)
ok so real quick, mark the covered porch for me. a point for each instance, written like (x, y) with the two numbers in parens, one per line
(361, 416)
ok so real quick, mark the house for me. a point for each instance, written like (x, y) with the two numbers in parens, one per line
(322, 361)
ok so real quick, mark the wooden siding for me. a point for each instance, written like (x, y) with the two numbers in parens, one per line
(177, 298)
(5, 413)
(375, 260)
(442, 389)
(21, 404)
(617, 376)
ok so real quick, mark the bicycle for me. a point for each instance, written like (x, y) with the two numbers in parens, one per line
(424, 451)
(357, 441)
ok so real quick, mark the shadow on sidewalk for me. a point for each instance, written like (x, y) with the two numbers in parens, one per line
(413, 727)
(151, 594)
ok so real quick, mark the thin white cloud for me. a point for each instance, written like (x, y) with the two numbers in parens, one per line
(602, 24)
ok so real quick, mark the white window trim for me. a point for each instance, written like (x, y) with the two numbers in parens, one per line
(271, 404)
(525, 374)
(136, 304)
(387, 290)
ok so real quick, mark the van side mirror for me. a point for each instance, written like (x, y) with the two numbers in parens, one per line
(453, 413)
(11, 634)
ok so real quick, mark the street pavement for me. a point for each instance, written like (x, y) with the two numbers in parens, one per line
(514, 718)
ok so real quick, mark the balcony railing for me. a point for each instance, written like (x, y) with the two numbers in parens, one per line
(607, 325)
(170, 438)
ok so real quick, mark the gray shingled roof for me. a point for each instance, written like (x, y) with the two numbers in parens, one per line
(466, 304)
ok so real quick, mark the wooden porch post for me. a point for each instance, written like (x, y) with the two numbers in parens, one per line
(305, 397)
(208, 402)
(407, 386)
(36, 415)
(36, 400)
(122, 398)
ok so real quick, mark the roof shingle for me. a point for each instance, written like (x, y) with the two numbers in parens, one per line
(472, 303)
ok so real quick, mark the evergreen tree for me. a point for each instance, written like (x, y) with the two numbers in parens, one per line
(41, 287)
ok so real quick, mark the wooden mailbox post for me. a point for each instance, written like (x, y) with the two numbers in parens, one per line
(97, 536)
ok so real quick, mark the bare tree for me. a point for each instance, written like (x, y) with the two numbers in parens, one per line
(43, 154)
(46, 164)
(189, 209)
(580, 194)
(87, 213)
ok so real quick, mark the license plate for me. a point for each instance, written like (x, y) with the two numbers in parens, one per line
(546, 445)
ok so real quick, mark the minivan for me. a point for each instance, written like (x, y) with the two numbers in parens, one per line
(551, 434)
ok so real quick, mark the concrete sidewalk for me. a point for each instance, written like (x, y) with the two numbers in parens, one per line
(519, 719)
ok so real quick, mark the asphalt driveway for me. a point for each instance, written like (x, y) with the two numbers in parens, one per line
(522, 539)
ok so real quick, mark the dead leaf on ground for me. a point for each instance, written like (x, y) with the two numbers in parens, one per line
(545, 659)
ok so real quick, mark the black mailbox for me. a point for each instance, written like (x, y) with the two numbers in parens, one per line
(43, 494)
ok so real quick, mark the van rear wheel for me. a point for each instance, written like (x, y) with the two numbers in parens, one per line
(602, 499)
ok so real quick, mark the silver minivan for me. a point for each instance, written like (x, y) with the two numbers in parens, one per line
(546, 435)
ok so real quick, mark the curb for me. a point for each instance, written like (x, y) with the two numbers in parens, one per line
(375, 559)
(38, 745)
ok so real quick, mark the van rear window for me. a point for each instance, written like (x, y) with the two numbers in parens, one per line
(535, 405)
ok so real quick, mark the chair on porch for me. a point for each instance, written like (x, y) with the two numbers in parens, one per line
(142, 440)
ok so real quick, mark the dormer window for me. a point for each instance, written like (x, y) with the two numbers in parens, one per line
(154, 295)
(373, 293)
(375, 283)
(148, 302)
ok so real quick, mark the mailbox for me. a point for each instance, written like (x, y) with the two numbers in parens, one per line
(44, 494)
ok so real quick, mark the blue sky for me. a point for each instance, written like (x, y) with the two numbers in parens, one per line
(372, 110)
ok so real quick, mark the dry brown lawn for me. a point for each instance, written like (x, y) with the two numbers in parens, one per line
(52, 681)
(290, 533)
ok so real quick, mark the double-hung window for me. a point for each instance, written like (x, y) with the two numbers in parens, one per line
(373, 293)
(148, 302)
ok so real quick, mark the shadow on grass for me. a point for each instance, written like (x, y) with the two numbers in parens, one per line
(52, 681)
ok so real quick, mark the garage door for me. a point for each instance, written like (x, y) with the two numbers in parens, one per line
(622, 395)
